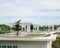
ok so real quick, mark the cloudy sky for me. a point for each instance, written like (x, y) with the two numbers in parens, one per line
(43, 12)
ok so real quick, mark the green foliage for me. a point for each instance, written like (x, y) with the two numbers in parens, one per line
(4, 28)
(51, 27)
(2, 32)
(34, 35)
(17, 26)
(55, 27)
(43, 28)
(56, 43)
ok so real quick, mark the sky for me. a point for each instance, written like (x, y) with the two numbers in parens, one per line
(42, 12)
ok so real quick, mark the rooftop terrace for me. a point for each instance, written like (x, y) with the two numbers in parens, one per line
(29, 37)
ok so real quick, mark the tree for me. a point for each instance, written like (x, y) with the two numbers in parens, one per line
(56, 43)
(40, 27)
(55, 27)
(17, 27)
(4, 28)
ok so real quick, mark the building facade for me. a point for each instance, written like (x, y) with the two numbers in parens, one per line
(29, 27)
(33, 42)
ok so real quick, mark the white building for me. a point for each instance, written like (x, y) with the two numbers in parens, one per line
(26, 42)
(29, 27)
(26, 27)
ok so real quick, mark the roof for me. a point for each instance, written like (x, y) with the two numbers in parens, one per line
(49, 38)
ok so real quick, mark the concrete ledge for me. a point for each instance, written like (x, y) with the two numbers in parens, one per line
(49, 38)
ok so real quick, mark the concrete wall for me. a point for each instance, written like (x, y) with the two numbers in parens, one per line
(49, 44)
(26, 44)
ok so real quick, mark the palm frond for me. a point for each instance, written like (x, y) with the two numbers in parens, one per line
(18, 21)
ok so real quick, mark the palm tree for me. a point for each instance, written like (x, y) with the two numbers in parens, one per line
(17, 27)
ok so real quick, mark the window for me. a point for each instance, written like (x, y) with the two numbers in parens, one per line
(3, 46)
(9, 46)
(14, 46)
(0, 46)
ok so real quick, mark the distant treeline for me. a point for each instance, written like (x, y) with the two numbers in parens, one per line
(6, 28)
(43, 28)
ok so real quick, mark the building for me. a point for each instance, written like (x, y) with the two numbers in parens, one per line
(29, 27)
(27, 42)
(13, 41)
